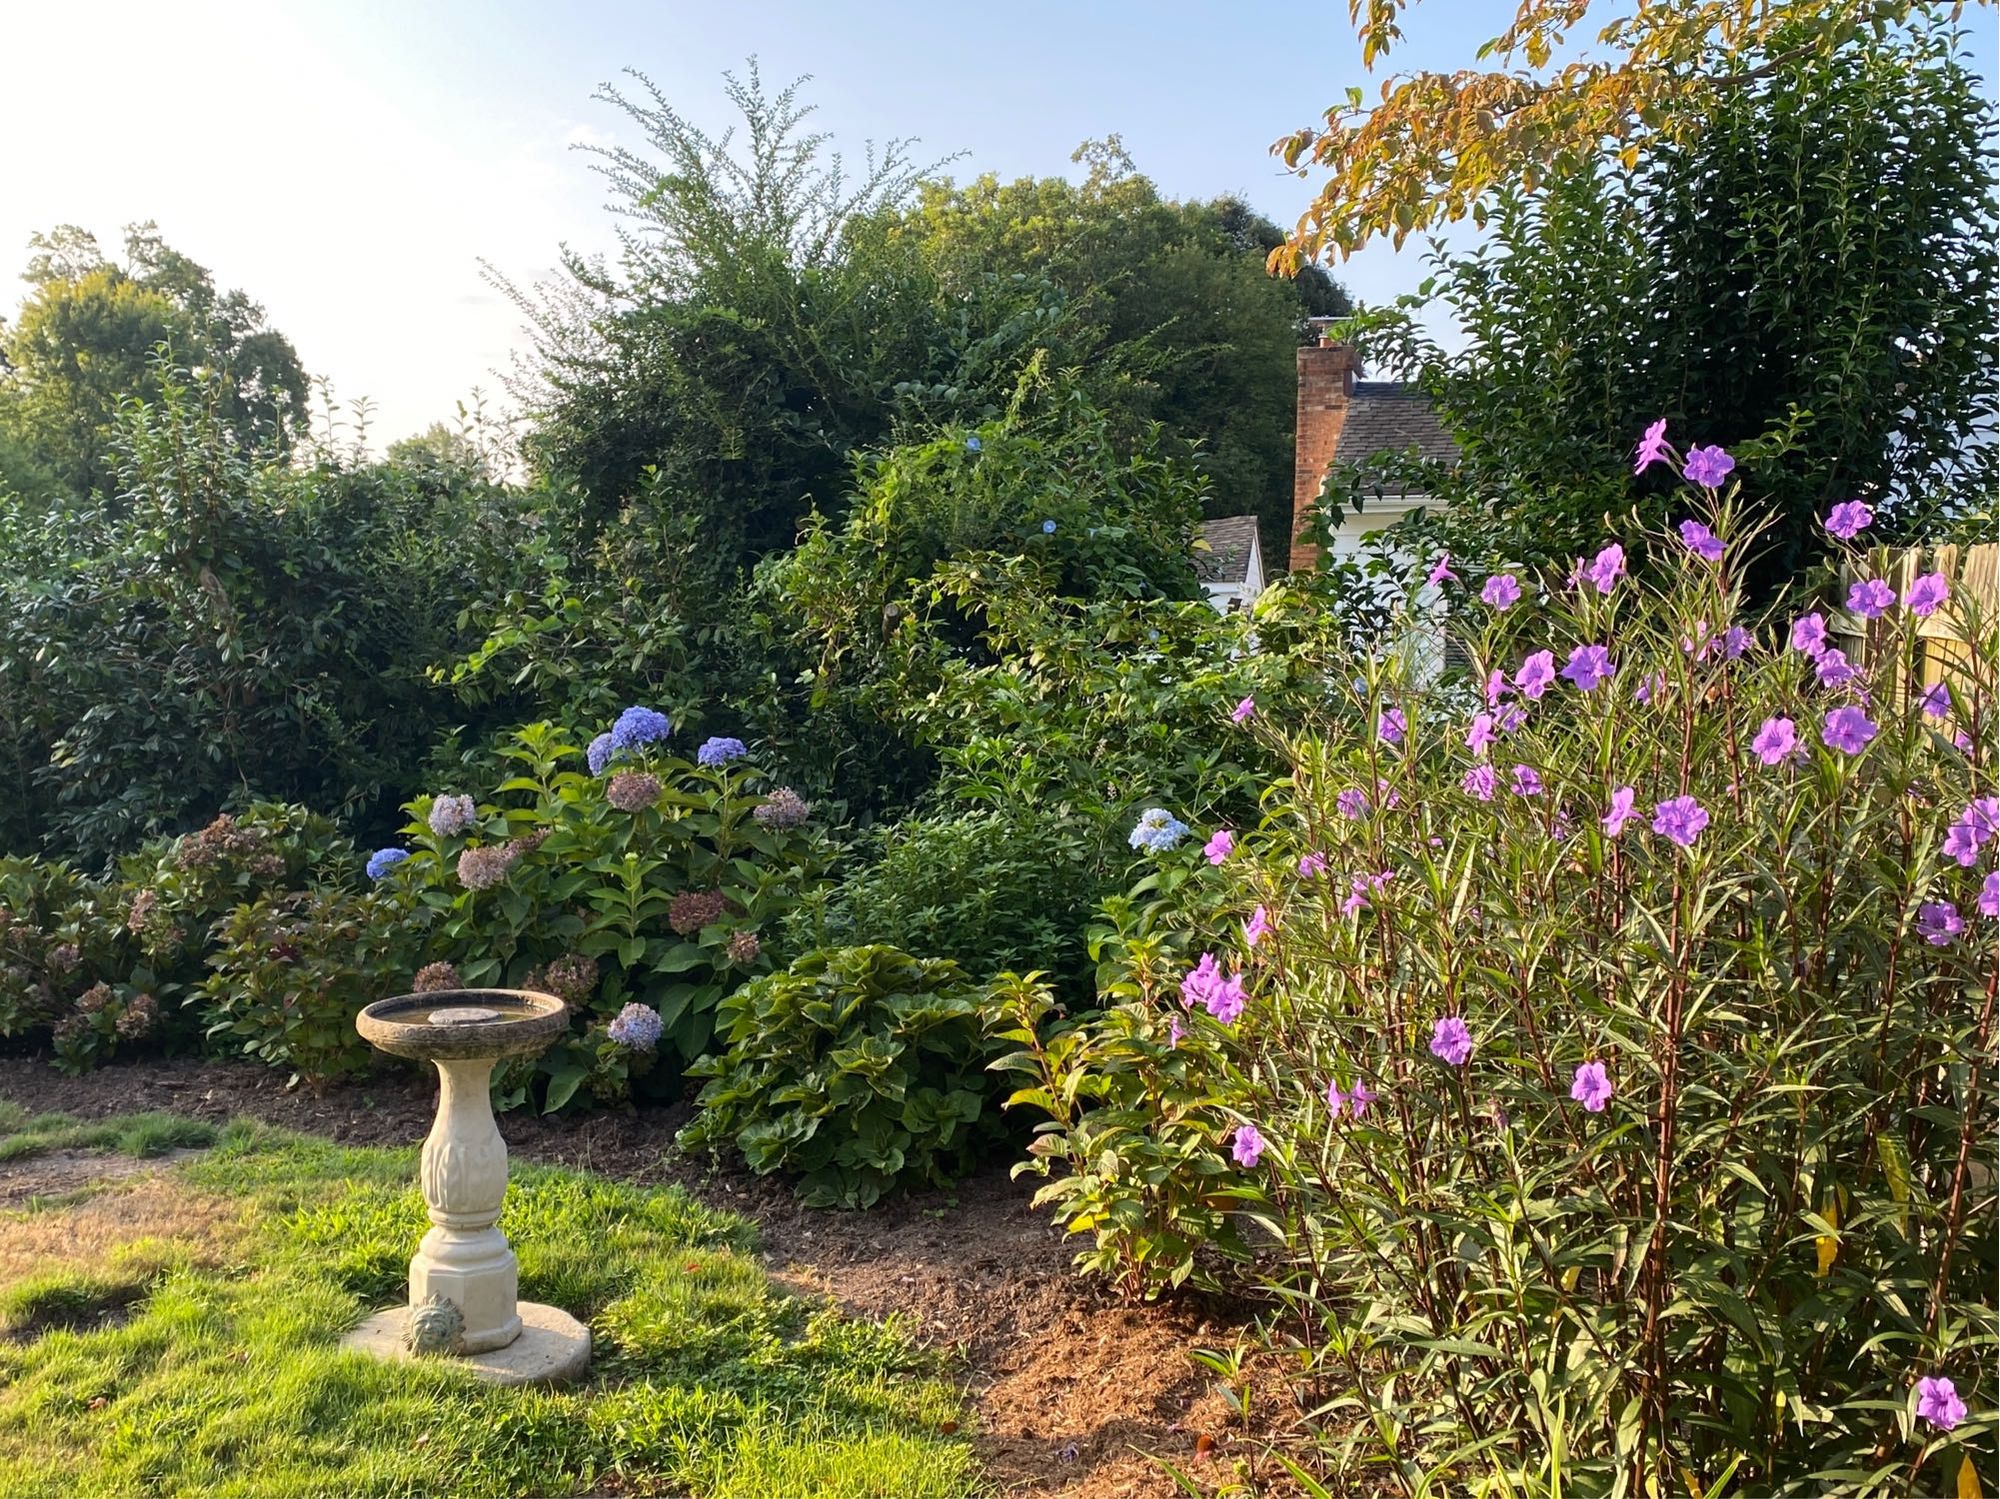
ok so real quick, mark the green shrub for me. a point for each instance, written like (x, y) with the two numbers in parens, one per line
(858, 1070)
(1706, 1183)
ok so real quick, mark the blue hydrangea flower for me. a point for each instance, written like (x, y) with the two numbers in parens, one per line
(720, 751)
(971, 444)
(1048, 528)
(1158, 830)
(385, 859)
(599, 754)
(637, 1027)
(638, 727)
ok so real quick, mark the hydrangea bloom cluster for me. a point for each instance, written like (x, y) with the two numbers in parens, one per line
(385, 859)
(1157, 831)
(720, 750)
(637, 1027)
(783, 808)
(571, 978)
(483, 868)
(453, 815)
(744, 948)
(632, 790)
(637, 727)
(692, 910)
(435, 978)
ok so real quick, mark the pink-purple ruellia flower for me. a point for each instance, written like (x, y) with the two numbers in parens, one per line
(1653, 447)
(1588, 665)
(1680, 819)
(1480, 782)
(1849, 519)
(1936, 701)
(1974, 826)
(1220, 846)
(1871, 598)
(1591, 1087)
(1352, 803)
(1777, 741)
(1451, 1042)
(1938, 922)
(1311, 865)
(1536, 673)
(1833, 668)
(1927, 595)
(1227, 999)
(1392, 726)
(1480, 734)
(1441, 572)
(1606, 568)
(1809, 634)
(1847, 730)
(1501, 592)
(1989, 894)
(1735, 641)
(1704, 543)
(1248, 1147)
(1357, 1098)
(1527, 781)
(1938, 1402)
(1200, 981)
(1258, 927)
(1708, 466)
(1620, 811)
(1242, 711)
(1360, 887)
(1497, 690)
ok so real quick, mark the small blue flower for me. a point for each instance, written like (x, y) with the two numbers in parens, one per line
(971, 444)
(1158, 830)
(599, 754)
(638, 727)
(385, 859)
(1048, 528)
(637, 1028)
(720, 751)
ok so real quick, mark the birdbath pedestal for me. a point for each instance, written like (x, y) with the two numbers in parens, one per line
(464, 1280)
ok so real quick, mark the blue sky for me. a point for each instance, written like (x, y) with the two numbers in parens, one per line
(348, 162)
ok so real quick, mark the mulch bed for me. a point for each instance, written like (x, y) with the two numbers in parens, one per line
(1073, 1386)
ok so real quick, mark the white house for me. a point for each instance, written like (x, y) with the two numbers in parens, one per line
(1231, 564)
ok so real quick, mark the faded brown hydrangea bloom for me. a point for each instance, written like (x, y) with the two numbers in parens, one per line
(141, 1014)
(783, 808)
(95, 998)
(694, 909)
(571, 978)
(434, 977)
(744, 947)
(632, 790)
(483, 868)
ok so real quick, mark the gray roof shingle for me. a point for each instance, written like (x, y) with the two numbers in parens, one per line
(1229, 539)
(1387, 416)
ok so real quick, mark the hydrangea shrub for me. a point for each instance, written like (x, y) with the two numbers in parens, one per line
(1590, 1061)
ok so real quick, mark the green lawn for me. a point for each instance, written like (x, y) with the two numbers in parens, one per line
(226, 1380)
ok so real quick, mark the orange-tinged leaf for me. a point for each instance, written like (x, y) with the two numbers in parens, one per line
(1968, 1478)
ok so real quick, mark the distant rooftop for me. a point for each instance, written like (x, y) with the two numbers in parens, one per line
(1229, 539)
(1387, 416)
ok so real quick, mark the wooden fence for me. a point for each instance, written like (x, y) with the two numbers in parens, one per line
(1974, 575)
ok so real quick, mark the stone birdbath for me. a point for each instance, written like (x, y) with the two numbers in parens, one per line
(464, 1280)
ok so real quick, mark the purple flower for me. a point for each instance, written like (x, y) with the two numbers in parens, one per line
(1650, 687)
(1607, 568)
(720, 750)
(385, 859)
(1220, 846)
(1703, 542)
(638, 727)
(1480, 734)
(1847, 730)
(1871, 598)
(1927, 594)
(1680, 818)
(1977, 824)
(1588, 665)
(637, 1027)
(1938, 1403)
(1833, 668)
(1776, 741)
(1527, 781)
(1735, 641)
(1311, 864)
(452, 815)
(1621, 810)
(1258, 927)
(1936, 701)
(1501, 592)
(1242, 711)
(1989, 894)
(1707, 466)
(1441, 572)
(1510, 718)
(1848, 519)
(1652, 447)
(1591, 1087)
(1938, 922)
(1480, 782)
(1360, 887)
(1226, 1000)
(1352, 803)
(1392, 726)
(1450, 1041)
(1248, 1148)
(1200, 981)
(1176, 1032)
(1536, 673)
(1357, 1099)
(1809, 634)
(599, 754)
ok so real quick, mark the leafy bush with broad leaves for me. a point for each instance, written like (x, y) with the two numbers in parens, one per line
(653, 883)
(858, 1069)
(1594, 1076)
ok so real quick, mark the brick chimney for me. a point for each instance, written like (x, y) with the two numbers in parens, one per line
(1326, 380)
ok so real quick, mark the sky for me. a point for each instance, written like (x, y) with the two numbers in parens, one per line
(350, 163)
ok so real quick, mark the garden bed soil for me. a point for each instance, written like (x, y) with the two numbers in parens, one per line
(1073, 1386)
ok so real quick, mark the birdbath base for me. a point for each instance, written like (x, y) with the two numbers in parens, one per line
(553, 1348)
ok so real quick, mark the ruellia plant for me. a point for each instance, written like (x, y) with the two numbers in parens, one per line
(634, 883)
(1591, 1062)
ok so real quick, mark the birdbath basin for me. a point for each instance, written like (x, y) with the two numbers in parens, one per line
(464, 1280)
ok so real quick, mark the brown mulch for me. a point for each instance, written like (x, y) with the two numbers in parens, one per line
(1073, 1386)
